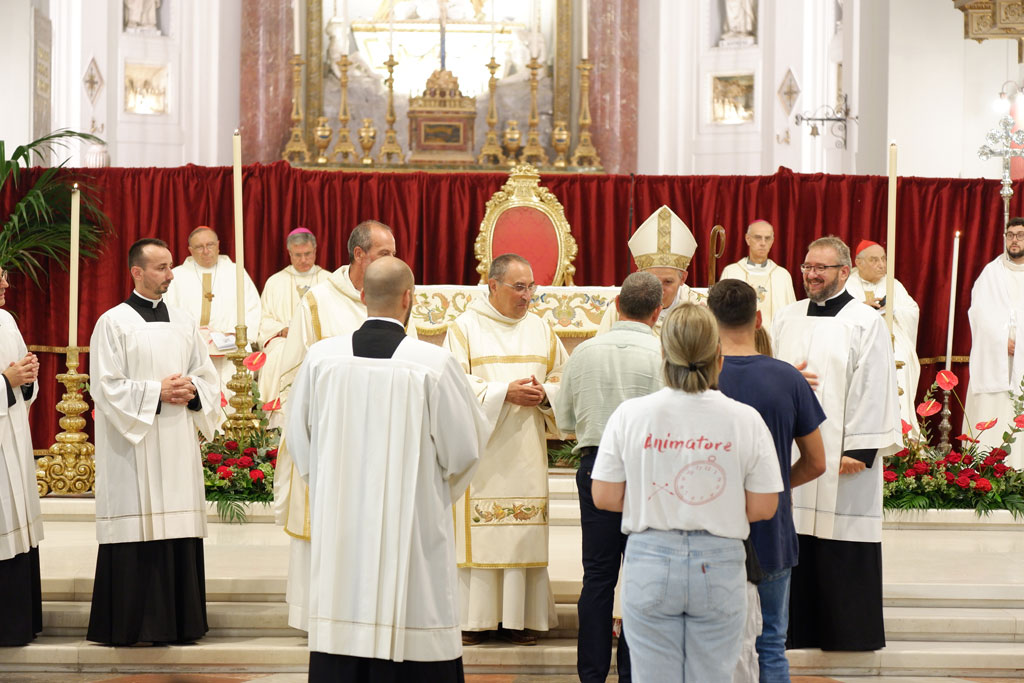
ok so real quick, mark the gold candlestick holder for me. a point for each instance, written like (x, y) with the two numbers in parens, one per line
(585, 154)
(390, 146)
(560, 142)
(242, 421)
(322, 135)
(512, 141)
(533, 152)
(367, 138)
(490, 153)
(344, 149)
(69, 469)
(296, 146)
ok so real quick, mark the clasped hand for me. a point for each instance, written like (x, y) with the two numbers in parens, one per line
(177, 390)
(25, 371)
(525, 392)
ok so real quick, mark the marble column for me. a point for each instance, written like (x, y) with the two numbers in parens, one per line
(266, 93)
(614, 30)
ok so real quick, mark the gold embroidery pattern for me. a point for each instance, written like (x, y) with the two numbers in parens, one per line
(517, 512)
(314, 313)
(507, 360)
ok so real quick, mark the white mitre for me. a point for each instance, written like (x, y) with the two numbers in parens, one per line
(663, 240)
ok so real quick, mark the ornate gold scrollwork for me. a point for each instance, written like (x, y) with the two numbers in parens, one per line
(69, 468)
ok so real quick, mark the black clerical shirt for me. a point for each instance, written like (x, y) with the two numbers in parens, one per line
(378, 338)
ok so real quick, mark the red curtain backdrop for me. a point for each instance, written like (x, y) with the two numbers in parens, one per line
(436, 217)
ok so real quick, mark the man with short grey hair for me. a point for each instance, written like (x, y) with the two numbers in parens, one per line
(772, 283)
(603, 372)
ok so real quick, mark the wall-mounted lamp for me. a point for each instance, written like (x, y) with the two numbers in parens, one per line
(837, 118)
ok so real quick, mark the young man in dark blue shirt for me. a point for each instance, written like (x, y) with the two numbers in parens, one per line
(784, 399)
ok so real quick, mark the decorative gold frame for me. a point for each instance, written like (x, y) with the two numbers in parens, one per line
(523, 189)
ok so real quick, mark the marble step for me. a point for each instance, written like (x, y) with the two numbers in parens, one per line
(556, 656)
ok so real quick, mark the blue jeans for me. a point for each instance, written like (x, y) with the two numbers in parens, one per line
(684, 604)
(771, 644)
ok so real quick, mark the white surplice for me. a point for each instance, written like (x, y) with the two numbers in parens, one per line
(996, 316)
(281, 296)
(852, 356)
(772, 282)
(501, 521)
(21, 524)
(186, 292)
(386, 445)
(906, 317)
(683, 294)
(149, 479)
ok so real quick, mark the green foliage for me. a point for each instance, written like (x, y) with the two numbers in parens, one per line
(39, 226)
(560, 454)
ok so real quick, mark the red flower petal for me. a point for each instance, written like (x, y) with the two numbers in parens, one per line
(946, 380)
(254, 361)
(1019, 421)
(223, 400)
(907, 427)
(964, 437)
(928, 408)
(272, 405)
(982, 426)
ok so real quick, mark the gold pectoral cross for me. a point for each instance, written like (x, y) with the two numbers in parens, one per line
(204, 316)
(869, 298)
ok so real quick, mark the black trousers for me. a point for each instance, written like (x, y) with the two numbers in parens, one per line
(21, 607)
(603, 547)
(328, 668)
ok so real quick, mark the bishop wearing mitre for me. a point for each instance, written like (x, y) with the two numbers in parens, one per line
(663, 246)
(204, 286)
(281, 296)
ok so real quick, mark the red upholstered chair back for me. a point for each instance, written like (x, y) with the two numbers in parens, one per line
(530, 233)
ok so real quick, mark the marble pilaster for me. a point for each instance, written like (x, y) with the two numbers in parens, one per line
(614, 31)
(265, 97)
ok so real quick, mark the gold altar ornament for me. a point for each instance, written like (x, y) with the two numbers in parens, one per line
(522, 189)
(560, 143)
(344, 149)
(322, 135)
(490, 153)
(585, 153)
(511, 140)
(533, 152)
(242, 420)
(296, 146)
(390, 146)
(69, 468)
(367, 138)
(441, 123)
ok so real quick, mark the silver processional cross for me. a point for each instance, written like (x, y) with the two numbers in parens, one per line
(1000, 144)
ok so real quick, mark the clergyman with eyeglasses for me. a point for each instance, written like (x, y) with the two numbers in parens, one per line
(997, 322)
(772, 283)
(838, 517)
(501, 523)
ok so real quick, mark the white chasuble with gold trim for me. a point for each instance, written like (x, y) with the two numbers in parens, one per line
(502, 519)
(772, 283)
(149, 478)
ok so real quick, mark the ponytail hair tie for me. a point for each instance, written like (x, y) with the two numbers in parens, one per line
(692, 367)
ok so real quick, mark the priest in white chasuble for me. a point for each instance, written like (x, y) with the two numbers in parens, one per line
(772, 282)
(867, 283)
(154, 385)
(204, 287)
(281, 296)
(997, 343)
(387, 432)
(512, 358)
(836, 590)
(662, 246)
(21, 522)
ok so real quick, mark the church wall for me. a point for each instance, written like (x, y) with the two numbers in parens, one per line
(16, 65)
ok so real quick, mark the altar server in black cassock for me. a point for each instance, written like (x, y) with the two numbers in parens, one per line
(154, 384)
(836, 594)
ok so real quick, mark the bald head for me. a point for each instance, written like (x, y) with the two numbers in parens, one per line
(387, 282)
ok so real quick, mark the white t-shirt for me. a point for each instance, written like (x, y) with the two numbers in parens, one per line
(687, 460)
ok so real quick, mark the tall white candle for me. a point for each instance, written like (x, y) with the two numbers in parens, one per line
(76, 199)
(952, 301)
(535, 32)
(890, 245)
(391, 24)
(493, 28)
(585, 18)
(344, 27)
(295, 27)
(239, 235)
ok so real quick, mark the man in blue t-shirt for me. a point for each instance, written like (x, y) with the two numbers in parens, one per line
(789, 407)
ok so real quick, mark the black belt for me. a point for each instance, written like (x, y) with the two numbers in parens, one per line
(587, 451)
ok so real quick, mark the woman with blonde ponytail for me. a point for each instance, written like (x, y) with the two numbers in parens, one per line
(689, 469)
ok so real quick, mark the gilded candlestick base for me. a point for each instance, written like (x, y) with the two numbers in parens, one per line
(344, 149)
(69, 468)
(585, 154)
(390, 147)
(490, 153)
(242, 420)
(533, 152)
(296, 147)
(367, 138)
(560, 143)
(322, 135)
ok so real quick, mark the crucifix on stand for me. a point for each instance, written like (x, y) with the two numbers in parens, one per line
(1001, 143)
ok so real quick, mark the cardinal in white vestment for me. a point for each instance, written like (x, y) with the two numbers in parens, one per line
(836, 594)
(772, 282)
(21, 523)
(512, 358)
(154, 385)
(281, 296)
(867, 283)
(204, 287)
(663, 246)
(386, 431)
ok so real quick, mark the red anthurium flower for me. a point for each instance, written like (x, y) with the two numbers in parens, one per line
(272, 405)
(1019, 421)
(982, 426)
(254, 361)
(946, 380)
(928, 408)
(223, 400)
(907, 427)
(964, 437)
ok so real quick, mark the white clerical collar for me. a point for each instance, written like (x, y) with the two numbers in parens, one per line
(1010, 265)
(155, 302)
(390, 320)
(761, 266)
(842, 290)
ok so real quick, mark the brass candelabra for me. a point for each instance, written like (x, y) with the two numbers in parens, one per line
(585, 153)
(533, 152)
(490, 153)
(69, 468)
(296, 142)
(390, 146)
(344, 149)
(242, 420)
